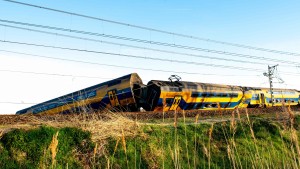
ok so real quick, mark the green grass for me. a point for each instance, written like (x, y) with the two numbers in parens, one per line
(249, 143)
(192, 146)
(30, 149)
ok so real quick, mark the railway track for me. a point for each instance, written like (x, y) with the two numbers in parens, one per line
(215, 113)
(23, 119)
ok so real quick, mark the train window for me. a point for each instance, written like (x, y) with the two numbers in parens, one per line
(196, 94)
(233, 95)
(174, 89)
(255, 96)
(190, 86)
(199, 105)
(190, 106)
(169, 101)
(205, 94)
(207, 106)
(224, 95)
(214, 105)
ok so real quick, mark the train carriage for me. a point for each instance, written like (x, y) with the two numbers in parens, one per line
(255, 97)
(280, 96)
(117, 94)
(261, 97)
(178, 95)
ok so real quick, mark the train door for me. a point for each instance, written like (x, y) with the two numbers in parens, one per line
(112, 95)
(262, 100)
(175, 103)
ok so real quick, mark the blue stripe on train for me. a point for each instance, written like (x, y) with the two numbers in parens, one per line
(198, 105)
(121, 94)
(203, 105)
(286, 99)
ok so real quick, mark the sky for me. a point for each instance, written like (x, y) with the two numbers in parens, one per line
(31, 74)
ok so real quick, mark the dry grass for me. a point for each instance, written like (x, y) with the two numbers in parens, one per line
(101, 125)
(53, 148)
(1, 133)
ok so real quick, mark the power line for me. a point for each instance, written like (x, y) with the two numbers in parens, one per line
(55, 74)
(154, 43)
(51, 74)
(159, 31)
(141, 57)
(137, 47)
(135, 56)
(16, 103)
(119, 66)
(144, 48)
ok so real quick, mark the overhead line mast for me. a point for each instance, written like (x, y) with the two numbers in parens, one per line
(271, 70)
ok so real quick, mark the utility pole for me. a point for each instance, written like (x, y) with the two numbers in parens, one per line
(271, 70)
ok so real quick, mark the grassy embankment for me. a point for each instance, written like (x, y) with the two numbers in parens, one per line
(117, 142)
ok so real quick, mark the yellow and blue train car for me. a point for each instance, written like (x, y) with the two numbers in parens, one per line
(280, 97)
(169, 96)
(261, 97)
(115, 94)
(254, 97)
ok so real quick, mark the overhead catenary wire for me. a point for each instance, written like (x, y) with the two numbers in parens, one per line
(141, 57)
(145, 48)
(135, 56)
(16, 103)
(153, 43)
(81, 76)
(51, 74)
(138, 47)
(55, 74)
(157, 30)
(118, 66)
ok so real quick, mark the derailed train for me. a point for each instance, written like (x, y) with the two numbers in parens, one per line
(128, 93)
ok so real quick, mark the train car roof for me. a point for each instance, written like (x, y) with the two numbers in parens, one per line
(279, 89)
(187, 84)
(131, 76)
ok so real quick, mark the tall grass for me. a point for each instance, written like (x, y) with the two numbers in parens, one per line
(239, 141)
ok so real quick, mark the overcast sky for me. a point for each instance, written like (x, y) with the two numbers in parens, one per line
(32, 74)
